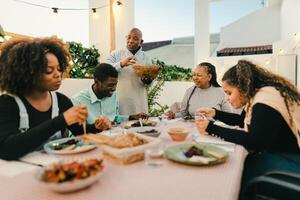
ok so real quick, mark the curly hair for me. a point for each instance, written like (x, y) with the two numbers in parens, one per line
(249, 78)
(23, 62)
(211, 69)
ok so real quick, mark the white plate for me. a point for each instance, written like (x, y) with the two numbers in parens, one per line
(78, 148)
(71, 186)
(142, 130)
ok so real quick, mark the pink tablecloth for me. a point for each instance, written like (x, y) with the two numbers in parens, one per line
(137, 181)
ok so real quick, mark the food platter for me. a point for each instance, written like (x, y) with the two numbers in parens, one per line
(196, 154)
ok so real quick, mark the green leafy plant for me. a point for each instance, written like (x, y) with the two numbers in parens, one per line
(169, 73)
(174, 73)
(2, 34)
(154, 108)
(84, 60)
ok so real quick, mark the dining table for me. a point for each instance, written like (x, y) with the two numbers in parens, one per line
(137, 181)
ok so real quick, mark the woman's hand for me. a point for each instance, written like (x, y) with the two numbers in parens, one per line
(76, 114)
(208, 112)
(102, 123)
(201, 125)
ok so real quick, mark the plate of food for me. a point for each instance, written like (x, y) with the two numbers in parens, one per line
(196, 154)
(71, 176)
(147, 130)
(137, 123)
(70, 145)
(124, 148)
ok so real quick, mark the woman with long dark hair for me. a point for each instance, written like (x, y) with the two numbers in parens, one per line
(271, 119)
(206, 93)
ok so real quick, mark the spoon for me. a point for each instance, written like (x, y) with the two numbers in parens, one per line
(141, 122)
(84, 127)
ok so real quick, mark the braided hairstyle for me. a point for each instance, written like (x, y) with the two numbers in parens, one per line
(23, 62)
(249, 78)
(212, 71)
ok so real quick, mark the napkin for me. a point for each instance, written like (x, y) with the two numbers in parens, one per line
(39, 158)
(14, 168)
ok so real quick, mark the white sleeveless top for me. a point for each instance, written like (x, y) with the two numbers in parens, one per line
(24, 118)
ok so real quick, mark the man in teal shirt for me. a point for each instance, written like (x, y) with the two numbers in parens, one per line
(101, 98)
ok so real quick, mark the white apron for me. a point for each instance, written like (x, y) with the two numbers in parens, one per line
(130, 89)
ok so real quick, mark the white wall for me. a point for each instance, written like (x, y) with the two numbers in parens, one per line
(71, 86)
(99, 28)
(201, 41)
(36, 21)
(124, 21)
(173, 91)
(290, 15)
(259, 28)
(222, 64)
(290, 46)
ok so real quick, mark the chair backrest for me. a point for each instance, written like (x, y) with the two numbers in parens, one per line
(274, 185)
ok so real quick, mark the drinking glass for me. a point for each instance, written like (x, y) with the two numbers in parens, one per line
(155, 156)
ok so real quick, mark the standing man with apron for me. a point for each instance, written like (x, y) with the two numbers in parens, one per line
(131, 89)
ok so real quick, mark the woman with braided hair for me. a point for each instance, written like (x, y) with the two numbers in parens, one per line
(30, 112)
(270, 120)
(205, 93)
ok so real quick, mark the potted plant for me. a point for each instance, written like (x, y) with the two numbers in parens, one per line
(84, 60)
(2, 34)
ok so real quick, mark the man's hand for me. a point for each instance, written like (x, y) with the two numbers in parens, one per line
(147, 81)
(138, 115)
(102, 123)
(76, 114)
(128, 61)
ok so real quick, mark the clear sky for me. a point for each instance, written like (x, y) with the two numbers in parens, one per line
(166, 19)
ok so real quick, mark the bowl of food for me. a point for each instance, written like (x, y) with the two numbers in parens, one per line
(178, 133)
(147, 71)
(71, 176)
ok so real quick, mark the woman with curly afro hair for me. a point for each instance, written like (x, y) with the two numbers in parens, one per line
(270, 120)
(30, 112)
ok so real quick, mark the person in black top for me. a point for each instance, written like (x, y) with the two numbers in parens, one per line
(29, 70)
(270, 119)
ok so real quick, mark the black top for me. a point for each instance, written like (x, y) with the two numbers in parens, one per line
(268, 131)
(14, 144)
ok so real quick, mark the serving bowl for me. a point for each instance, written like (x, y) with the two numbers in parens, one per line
(71, 176)
(178, 133)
